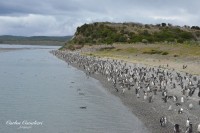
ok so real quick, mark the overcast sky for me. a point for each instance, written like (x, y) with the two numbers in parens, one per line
(62, 17)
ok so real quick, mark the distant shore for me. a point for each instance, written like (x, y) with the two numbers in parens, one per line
(34, 40)
(150, 113)
(9, 49)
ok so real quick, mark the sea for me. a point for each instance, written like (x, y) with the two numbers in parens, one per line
(40, 93)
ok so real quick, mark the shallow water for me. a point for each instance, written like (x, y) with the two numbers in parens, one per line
(36, 86)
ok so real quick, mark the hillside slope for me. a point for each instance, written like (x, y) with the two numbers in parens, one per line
(109, 33)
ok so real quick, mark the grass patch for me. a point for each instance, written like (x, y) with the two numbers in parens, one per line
(106, 48)
(118, 49)
(165, 53)
(173, 50)
(130, 50)
(153, 51)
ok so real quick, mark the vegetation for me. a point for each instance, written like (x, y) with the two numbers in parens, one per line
(154, 51)
(110, 33)
(71, 47)
(171, 56)
(159, 49)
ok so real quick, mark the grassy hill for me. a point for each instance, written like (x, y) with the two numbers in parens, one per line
(109, 33)
(34, 40)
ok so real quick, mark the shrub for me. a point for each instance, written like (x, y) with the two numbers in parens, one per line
(164, 24)
(153, 51)
(165, 53)
(147, 26)
(176, 55)
(186, 35)
(122, 39)
(145, 41)
(195, 27)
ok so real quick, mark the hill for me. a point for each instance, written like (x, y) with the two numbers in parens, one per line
(34, 40)
(109, 33)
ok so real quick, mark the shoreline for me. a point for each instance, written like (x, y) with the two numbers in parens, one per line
(150, 113)
(10, 49)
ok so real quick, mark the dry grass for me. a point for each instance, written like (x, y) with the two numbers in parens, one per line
(175, 55)
(182, 50)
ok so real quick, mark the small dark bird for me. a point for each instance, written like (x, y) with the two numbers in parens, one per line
(176, 128)
(83, 107)
(165, 99)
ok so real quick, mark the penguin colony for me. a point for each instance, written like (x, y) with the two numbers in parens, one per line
(147, 83)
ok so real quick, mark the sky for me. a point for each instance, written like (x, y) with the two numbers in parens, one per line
(62, 17)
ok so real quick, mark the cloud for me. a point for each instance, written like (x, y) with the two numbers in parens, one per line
(53, 17)
(35, 24)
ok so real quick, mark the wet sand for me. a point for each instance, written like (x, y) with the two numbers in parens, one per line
(150, 113)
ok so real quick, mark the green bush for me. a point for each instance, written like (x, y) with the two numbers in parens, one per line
(165, 53)
(122, 39)
(107, 33)
(145, 41)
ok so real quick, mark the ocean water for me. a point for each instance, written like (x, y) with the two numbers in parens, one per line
(42, 94)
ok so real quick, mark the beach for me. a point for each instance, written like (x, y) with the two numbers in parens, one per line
(150, 113)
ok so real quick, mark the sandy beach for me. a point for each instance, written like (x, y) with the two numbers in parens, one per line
(150, 113)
